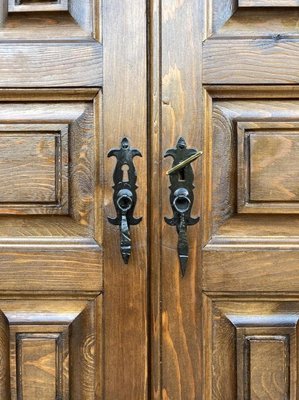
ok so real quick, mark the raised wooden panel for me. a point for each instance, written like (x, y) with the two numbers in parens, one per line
(34, 169)
(232, 123)
(58, 141)
(274, 173)
(51, 348)
(37, 5)
(266, 368)
(268, 167)
(38, 361)
(251, 349)
(64, 165)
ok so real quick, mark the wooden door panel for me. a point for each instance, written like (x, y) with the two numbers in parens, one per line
(244, 57)
(51, 258)
(50, 348)
(39, 247)
(251, 348)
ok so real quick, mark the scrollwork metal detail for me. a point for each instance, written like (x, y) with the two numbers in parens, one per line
(181, 196)
(125, 196)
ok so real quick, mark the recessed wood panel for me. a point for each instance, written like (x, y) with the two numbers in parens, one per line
(27, 165)
(39, 365)
(53, 348)
(232, 124)
(268, 167)
(267, 367)
(274, 167)
(251, 348)
(34, 169)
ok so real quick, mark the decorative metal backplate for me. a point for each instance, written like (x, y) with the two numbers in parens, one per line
(124, 196)
(181, 196)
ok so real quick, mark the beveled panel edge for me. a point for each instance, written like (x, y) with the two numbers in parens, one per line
(42, 94)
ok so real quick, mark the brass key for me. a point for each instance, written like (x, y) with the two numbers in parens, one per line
(183, 163)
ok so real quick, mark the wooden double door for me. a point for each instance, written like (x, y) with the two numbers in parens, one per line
(172, 309)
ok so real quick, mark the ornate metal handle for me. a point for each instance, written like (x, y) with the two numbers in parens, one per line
(181, 197)
(125, 197)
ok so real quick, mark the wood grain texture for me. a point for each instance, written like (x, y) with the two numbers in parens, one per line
(49, 65)
(52, 26)
(78, 268)
(267, 167)
(265, 270)
(125, 114)
(37, 362)
(156, 215)
(257, 23)
(180, 108)
(4, 358)
(41, 228)
(261, 61)
(42, 157)
(83, 177)
(257, 342)
(273, 167)
(75, 175)
(34, 155)
(226, 122)
(53, 347)
(275, 231)
(268, 367)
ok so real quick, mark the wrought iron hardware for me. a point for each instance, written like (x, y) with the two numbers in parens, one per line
(125, 196)
(181, 195)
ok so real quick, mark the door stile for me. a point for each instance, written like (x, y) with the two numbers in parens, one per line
(125, 115)
(155, 189)
(176, 111)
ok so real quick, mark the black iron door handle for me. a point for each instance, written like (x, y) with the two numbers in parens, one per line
(181, 196)
(125, 196)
